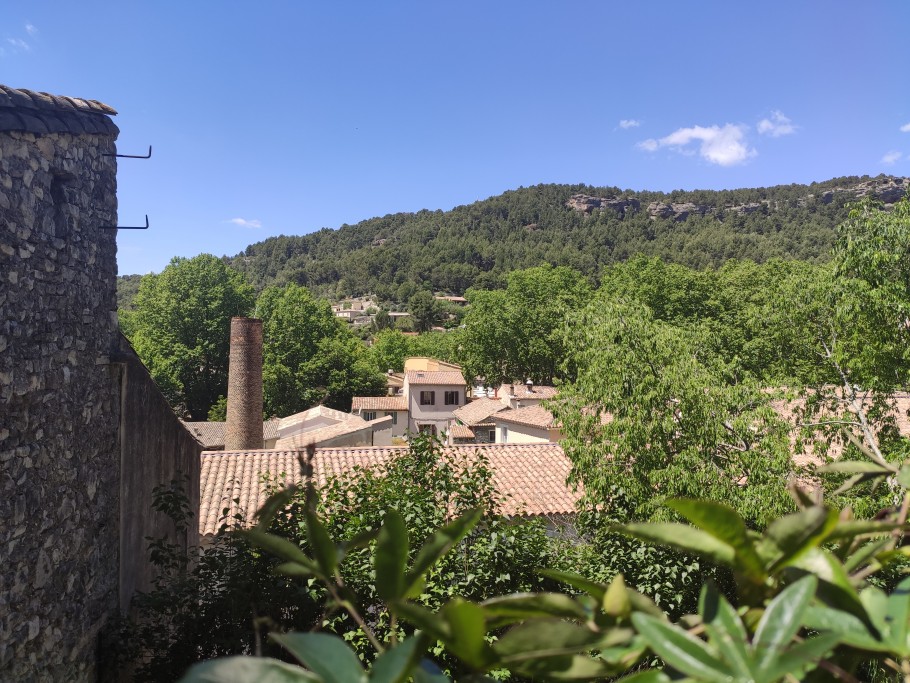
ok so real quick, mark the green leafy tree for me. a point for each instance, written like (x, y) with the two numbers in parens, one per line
(517, 333)
(309, 356)
(389, 350)
(180, 327)
(424, 310)
(650, 410)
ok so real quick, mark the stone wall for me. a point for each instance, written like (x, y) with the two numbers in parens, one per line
(59, 402)
(85, 435)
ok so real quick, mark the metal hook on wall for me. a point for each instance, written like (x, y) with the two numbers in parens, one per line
(131, 156)
(126, 227)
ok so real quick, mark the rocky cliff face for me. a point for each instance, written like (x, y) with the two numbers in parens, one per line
(584, 203)
(886, 189)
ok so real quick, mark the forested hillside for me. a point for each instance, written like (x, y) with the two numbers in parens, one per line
(477, 244)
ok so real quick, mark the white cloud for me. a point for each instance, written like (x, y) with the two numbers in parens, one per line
(625, 124)
(905, 128)
(892, 157)
(31, 29)
(776, 126)
(243, 222)
(724, 146)
(19, 44)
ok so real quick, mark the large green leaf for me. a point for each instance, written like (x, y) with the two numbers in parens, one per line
(519, 606)
(793, 535)
(247, 670)
(422, 618)
(725, 524)
(273, 504)
(650, 676)
(565, 668)
(596, 590)
(541, 638)
(467, 632)
(781, 620)
(280, 547)
(798, 659)
(854, 467)
(681, 650)
(325, 655)
(391, 556)
(616, 601)
(725, 630)
(850, 630)
(321, 544)
(860, 527)
(897, 617)
(440, 543)
(394, 665)
(834, 588)
(682, 537)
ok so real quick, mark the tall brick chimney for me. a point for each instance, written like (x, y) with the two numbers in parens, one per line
(244, 399)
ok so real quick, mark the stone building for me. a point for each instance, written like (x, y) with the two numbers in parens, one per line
(85, 435)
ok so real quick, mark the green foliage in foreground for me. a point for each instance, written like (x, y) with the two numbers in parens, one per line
(802, 605)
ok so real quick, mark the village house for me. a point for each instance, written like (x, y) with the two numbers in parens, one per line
(528, 424)
(394, 407)
(324, 427)
(433, 397)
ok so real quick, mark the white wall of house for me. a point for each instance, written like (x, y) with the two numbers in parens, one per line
(438, 413)
(508, 432)
(399, 419)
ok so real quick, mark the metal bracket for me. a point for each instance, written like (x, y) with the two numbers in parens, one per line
(132, 156)
(126, 227)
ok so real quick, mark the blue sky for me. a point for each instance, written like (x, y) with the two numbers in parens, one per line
(284, 117)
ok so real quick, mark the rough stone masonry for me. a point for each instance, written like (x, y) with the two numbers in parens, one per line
(66, 456)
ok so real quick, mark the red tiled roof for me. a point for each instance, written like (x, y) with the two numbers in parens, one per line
(461, 432)
(317, 436)
(532, 416)
(379, 403)
(520, 391)
(478, 411)
(435, 377)
(211, 434)
(530, 477)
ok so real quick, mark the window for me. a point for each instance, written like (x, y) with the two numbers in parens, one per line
(428, 398)
(452, 398)
(504, 434)
(369, 415)
(394, 417)
(427, 429)
(492, 436)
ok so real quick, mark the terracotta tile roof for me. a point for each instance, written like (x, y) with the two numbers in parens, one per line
(211, 434)
(461, 432)
(435, 377)
(289, 423)
(379, 403)
(41, 113)
(791, 410)
(317, 436)
(532, 416)
(478, 411)
(520, 391)
(530, 477)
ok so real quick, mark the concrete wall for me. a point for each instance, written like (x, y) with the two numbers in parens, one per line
(155, 449)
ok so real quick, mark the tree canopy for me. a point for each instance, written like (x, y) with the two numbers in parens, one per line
(180, 327)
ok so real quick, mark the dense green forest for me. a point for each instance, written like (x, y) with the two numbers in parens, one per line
(477, 244)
